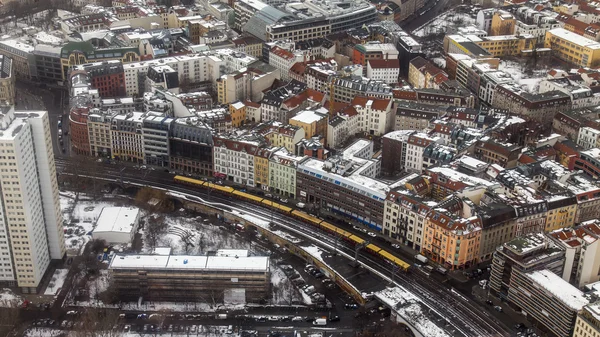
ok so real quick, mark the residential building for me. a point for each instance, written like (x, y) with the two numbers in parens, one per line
(47, 64)
(588, 162)
(493, 152)
(284, 60)
(393, 151)
(588, 138)
(228, 277)
(415, 116)
(416, 144)
(373, 51)
(375, 116)
(280, 135)
(346, 88)
(282, 173)
(588, 321)
(522, 255)
(126, 137)
(424, 74)
(7, 81)
(551, 301)
(234, 159)
(404, 216)
(503, 23)
(237, 111)
(573, 48)
(98, 124)
(107, 77)
(314, 122)
(581, 247)
(249, 45)
(31, 225)
(387, 71)
(450, 239)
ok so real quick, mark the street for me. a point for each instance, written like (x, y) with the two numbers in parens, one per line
(432, 9)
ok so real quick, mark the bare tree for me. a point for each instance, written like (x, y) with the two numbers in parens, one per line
(98, 323)
(155, 228)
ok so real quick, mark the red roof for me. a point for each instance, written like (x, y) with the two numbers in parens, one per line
(282, 53)
(377, 103)
(378, 64)
(252, 104)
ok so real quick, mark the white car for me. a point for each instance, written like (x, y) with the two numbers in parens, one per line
(371, 234)
(395, 245)
(297, 319)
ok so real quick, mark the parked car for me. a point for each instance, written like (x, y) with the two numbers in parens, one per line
(498, 308)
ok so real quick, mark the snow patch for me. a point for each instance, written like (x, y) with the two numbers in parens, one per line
(56, 282)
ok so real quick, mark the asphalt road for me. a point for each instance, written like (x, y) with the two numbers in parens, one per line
(463, 315)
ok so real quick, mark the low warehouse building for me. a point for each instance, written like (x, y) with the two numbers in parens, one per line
(117, 225)
(231, 278)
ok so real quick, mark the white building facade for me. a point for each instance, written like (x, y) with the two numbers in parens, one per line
(31, 232)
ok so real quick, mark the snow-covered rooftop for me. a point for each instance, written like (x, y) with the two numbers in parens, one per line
(559, 288)
(195, 262)
(117, 219)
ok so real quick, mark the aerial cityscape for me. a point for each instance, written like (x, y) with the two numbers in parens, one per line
(310, 168)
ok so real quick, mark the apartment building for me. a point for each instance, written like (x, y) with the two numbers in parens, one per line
(522, 255)
(7, 81)
(234, 159)
(582, 246)
(404, 216)
(588, 321)
(493, 152)
(549, 300)
(282, 172)
(373, 51)
(155, 134)
(375, 116)
(573, 48)
(126, 137)
(449, 239)
(98, 125)
(387, 71)
(31, 232)
(280, 135)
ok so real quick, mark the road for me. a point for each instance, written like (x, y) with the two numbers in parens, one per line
(432, 9)
(30, 97)
(463, 315)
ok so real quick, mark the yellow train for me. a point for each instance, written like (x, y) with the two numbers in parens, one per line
(324, 225)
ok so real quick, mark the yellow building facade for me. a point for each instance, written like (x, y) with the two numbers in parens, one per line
(573, 48)
(560, 217)
(503, 23)
(237, 111)
(588, 322)
(452, 242)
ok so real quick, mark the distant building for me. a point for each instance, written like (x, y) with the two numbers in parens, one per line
(7, 81)
(588, 321)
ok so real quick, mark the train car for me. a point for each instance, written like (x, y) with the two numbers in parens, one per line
(247, 196)
(356, 239)
(307, 218)
(219, 188)
(373, 249)
(279, 207)
(188, 181)
(397, 261)
(335, 230)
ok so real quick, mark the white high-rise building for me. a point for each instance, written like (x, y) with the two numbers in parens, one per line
(31, 231)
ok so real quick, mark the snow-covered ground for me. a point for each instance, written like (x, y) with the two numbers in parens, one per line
(203, 235)
(56, 282)
(79, 219)
(448, 22)
(284, 292)
(518, 71)
(9, 299)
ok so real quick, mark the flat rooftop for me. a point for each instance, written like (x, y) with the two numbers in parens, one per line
(575, 38)
(117, 219)
(191, 262)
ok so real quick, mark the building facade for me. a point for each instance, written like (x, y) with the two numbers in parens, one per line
(31, 229)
